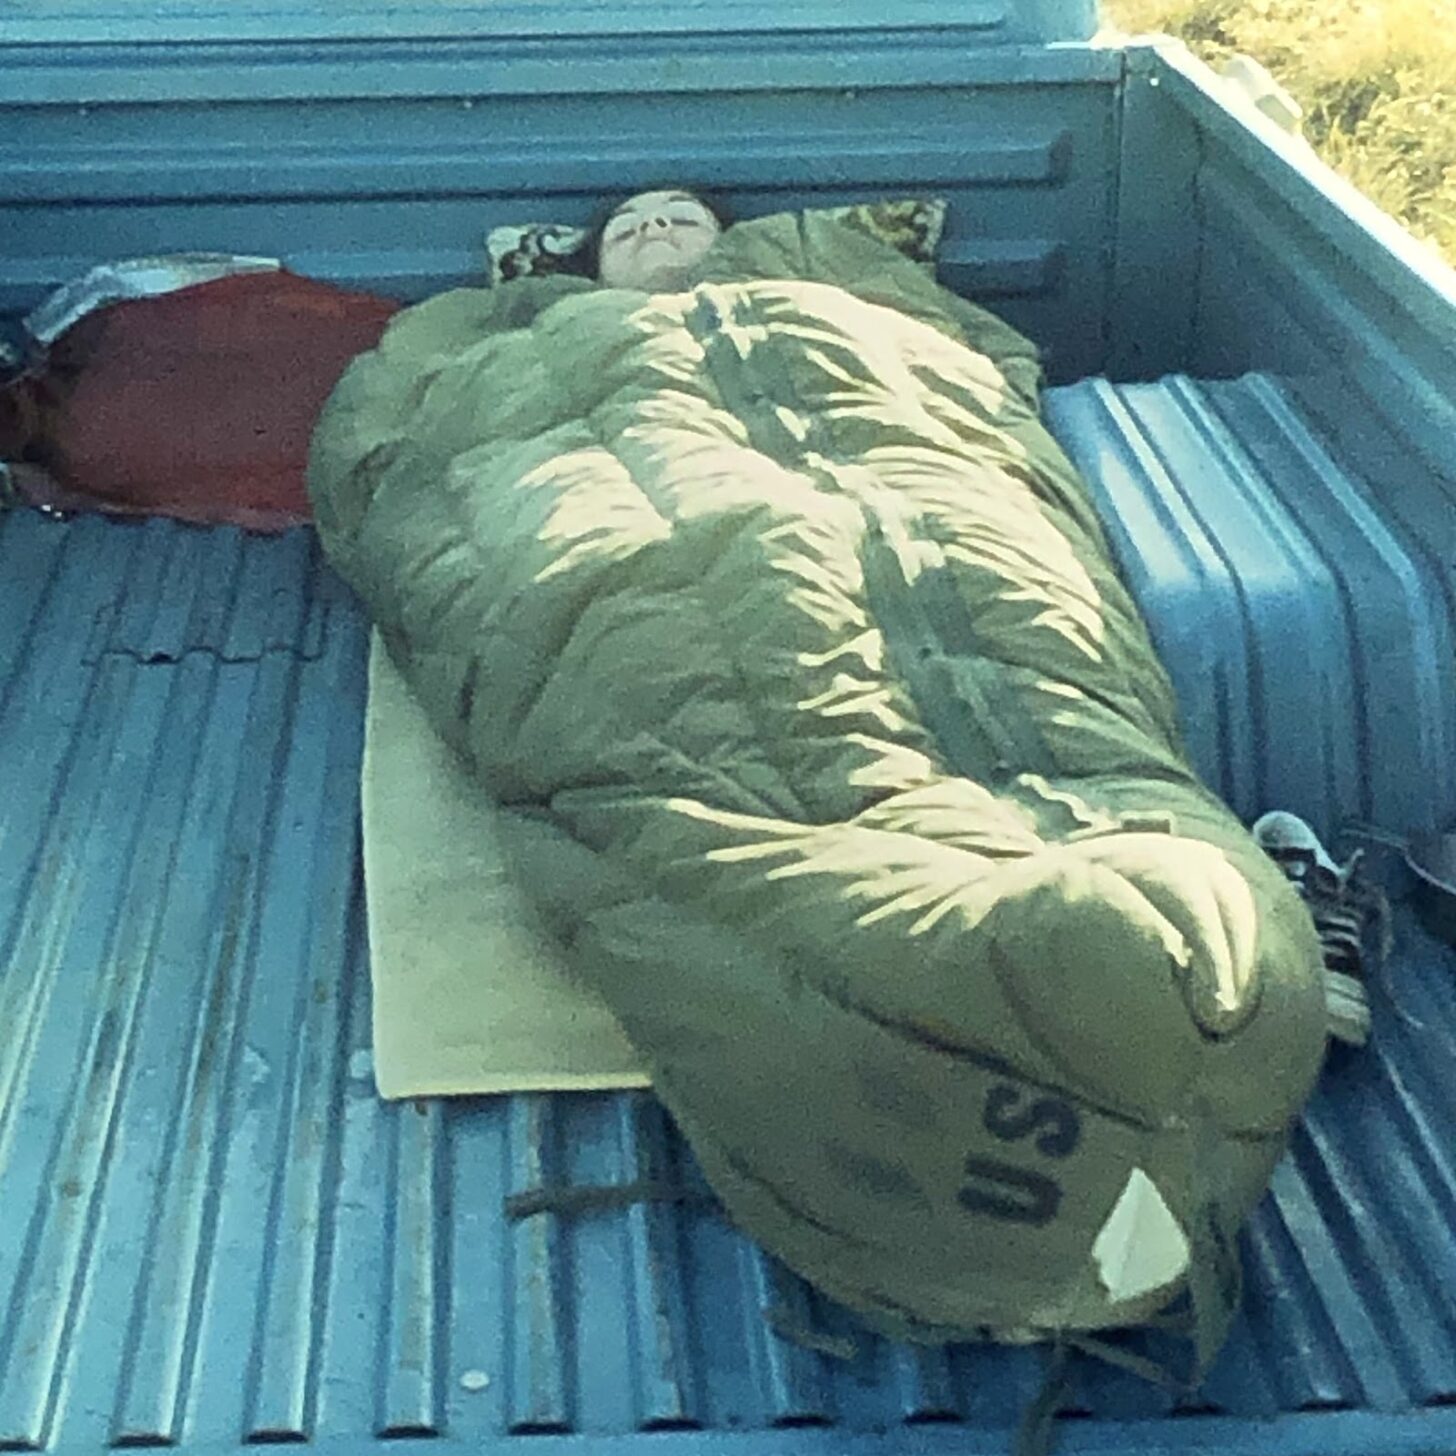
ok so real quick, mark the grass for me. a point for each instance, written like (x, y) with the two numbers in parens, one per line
(1376, 79)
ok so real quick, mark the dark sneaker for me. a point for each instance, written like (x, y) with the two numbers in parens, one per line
(1339, 909)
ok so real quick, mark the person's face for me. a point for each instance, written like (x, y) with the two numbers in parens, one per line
(655, 240)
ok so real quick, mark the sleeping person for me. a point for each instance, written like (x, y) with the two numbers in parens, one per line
(746, 578)
(653, 241)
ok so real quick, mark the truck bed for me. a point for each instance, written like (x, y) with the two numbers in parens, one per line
(213, 1234)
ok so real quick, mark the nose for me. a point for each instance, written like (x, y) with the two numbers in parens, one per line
(656, 224)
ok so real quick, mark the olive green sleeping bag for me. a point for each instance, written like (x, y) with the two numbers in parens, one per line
(840, 760)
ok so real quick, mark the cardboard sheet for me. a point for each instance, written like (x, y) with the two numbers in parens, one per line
(469, 995)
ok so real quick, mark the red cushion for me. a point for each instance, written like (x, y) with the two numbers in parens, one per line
(199, 404)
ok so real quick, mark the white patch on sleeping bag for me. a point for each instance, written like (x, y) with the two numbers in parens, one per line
(1142, 1246)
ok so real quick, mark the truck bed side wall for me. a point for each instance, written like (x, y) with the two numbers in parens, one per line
(384, 169)
(1240, 253)
(1287, 268)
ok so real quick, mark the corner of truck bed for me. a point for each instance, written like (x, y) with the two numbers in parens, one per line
(213, 1234)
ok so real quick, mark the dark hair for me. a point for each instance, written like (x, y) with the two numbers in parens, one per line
(588, 258)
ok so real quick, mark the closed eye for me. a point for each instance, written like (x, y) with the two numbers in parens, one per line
(621, 234)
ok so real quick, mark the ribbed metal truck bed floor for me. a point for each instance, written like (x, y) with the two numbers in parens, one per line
(212, 1232)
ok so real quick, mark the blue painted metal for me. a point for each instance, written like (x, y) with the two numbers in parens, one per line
(215, 1233)
(540, 1381)
(1368, 246)
(410, 1372)
(1295, 273)
(385, 170)
(1157, 251)
(1254, 548)
(107, 21)
(61, 76)
(149, 824)
(212, 1233)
